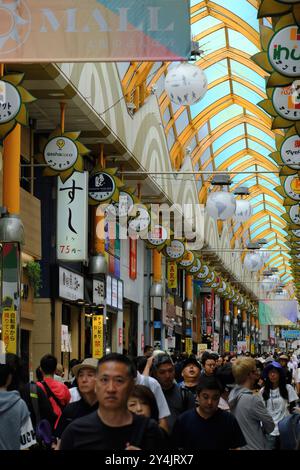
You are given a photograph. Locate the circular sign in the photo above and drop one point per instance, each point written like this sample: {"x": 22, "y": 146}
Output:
{"x": 175, "y": 250}
{"x": 101, "y": 186}
{"x": 223, "y": 288}
{"x": 283, "y": 51}
{"x": 10, "y": 102}
{"x": 204, "y": 273}
{"x": 295, "y": 214}
{"x": 286, "y": 101}
{"x": 215, "y": 284}
{"x": 292, "y": 187}
{"x": 290, "y": 152}
{"x": 296, "y": 233}
{"x": 188, "y": 260}
{"x": 60, "y": 153}
{"x": 125, "y": 203}
{"x": 210, "y": 279}
{"x": 194, "y": 269}
{"x": 158, "y": 236}
{"x": 141, "y": 222}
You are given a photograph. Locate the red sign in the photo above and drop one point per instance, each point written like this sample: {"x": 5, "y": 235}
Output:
{"x": 209, "y": 306}
{"x": 142, "y": 342}
{"x": 132, "y": 259}
{"x": 120, "y": 336}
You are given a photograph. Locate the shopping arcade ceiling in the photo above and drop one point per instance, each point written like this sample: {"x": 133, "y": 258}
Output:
{"x": 226, "y": 130}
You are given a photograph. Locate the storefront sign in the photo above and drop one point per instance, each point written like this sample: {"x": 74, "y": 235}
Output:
{"x": 157, "y": 237}
{"x": 9, "y": 333}
{"x": 201, "y": 348}
{"x": 10, "y": 102}
{"x": 282, "y": 345}
{"x": 101, "y": 186}
{"x": 252, "y": 349}
{"x": 178, "y": 311}
{"x": 64, "y": 338}
{"x": 248, "y": 342}
{"x": 98, "y": 292}
{"x": 196, "y": 268}
{"x": 72, "y": 218}
{"x": 61, "y": 153}
{"x": 98, "y": 337}
{"x": 95, "y": 31}
{"x": 71, "y": 285}
{"x": 286, "y": 103}
{"x": 283, "y": 51}
{"x": 114, "y": 292}
{"x": 209, "y": 306}
{"x": 132, "y": 259}
{"x": 203, "y": 273}
{"x": 171, "y": 342}
{"x": 172, "y": 275}
{"x": 187, "y": 260}
{"x": 227, "y": 344}
{"x": 142, "y": 342}
{"x": 188, "y": 346}
{"x": 292, "y": 187}
{"x": 290, "y": 334}
{"x": 216, "y": 339}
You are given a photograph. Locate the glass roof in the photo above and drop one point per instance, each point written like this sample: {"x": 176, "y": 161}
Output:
{"x": 225, "y": 130}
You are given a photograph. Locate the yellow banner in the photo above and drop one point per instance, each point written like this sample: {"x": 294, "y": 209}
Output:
{"x": 188, "y": 345}
{"x": 9, "y": 330}
{"x": 172, "y": 275}
{"x": 98, "y": 336}
{"x": 252, "y": 348}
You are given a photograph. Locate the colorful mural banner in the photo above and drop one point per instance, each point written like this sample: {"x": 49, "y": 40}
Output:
{"x": 94, "y": 30}
{"x": 278, "y": 312}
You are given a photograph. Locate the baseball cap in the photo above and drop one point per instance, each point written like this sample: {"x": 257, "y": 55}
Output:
{"x": 161, "y": 359}
{"x": 270, "y": 366}
{"x": 190, "y": 360}
{"x": 89, "y": 363}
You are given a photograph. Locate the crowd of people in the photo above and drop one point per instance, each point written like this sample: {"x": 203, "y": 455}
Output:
{"x": 155, "y": 402}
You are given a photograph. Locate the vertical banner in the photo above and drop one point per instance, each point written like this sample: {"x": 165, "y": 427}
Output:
{"x": 98, "y": 336}
{"x": 172, "y": 275}
{"x": 9, "y": 326}
{"x": 132, "y": 259}
{"x": 227, "y": 344}
{"x": 248, "y": 342}
{"x": 188, "y": 345}
{"x": 72, "y": 218}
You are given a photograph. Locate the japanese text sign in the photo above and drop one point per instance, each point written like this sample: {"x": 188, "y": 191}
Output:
{"x": 97, "y": 336}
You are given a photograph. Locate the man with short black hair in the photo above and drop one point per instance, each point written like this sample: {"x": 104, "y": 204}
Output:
{"x": 178, "y": 399}
{"x": 113, "y": 426}
{"x": 190, "y": 372}
{"x": 207, "y": 427}
{"x": 209, "y": 365}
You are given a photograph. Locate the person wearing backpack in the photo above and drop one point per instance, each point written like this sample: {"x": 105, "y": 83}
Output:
{"x": 178, "y": 399}
{"x": 57, "y": 392}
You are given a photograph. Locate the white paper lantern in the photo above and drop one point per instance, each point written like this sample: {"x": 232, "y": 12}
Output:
{"x": 220, "y": 205}
{"x": 253, "y": 262}
{"x": 186, "y": 84}
{"x": 243, "y": 210}
{"x": 265, "y": 255}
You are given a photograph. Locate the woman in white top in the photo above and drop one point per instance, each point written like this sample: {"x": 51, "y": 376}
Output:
{"x": 280, "y": 398}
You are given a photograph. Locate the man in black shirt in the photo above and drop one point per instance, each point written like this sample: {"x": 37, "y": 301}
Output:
{"x": 112, "y": 426}
{"x": 207, "y": 427}
{"x": 191, "y": 370}
{"x": 85, "y": 374}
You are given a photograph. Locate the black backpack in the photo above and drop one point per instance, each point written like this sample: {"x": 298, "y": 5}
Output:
{"x": 43, "y": 428}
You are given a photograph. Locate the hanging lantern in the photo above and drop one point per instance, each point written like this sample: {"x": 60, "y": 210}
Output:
{"x": 186, "y": 84}
{"x": 253, "y": 262}
{"x": 243, "y": 210}
{"x": 220, "y": 205}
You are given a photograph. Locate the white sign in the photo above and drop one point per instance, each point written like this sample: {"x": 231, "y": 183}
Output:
{"x": 120, "y": 295}
{"x": 158, "y": 236}
{"x": 282, "y": 344}
{"x": 187, "y": 260}
{"x": 114, "y": 292}
{"x": 10, "y": 102}
{"x": 294, "y": 214}
{"x": 196, "y": 268}
{"x": 141, "y": 221}
{"x": 71, "y": 285}
{"x": 60, "y": 153}
{"x": 175, "y": 250}
{"x": 290, "y": 152}
{"x": 171, "y": 342}
{"x": 287, "y": 103}
{"x": 292, "y": 187}
{"x": 204, "y": 273}
{"x": 64, "y": 338}
{"x": 98, "y": 292}
{"x": 72, "y": 218}
{"x": 241, "y": 347}
{"x": 283, "y": 51}
{"x": 216, "y": 342}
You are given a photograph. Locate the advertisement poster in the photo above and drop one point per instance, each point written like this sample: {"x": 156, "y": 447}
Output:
{"x": 241, "y": 347}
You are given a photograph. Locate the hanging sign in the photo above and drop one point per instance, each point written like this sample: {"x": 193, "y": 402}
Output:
{"x": 9, "y": 330}
{"x": 187, "y": 260}
{"x": 295, "y": 214}
{"x": 141, "y": 221}
{"x": 157, "y": 237}
{"x": 175, "y": 250}
{"x": 132, "y": 259}
{"x": 63, "y": 154}
{"x": 172, "y": 275}
{"x": 95, "y": 31}
{"x": 210, "y": 279}
{"x": 283, "y": 51}
{"x": 98, "y": 336}
{"x": 101, "y": 187}
{"x": 188, "y": 346}
{"x": 13, "y": 101}
{"x": 71, "y": 285}
{"x": 290, "y": 152}
{"x": 196, "y": 268}
{"x": 72, "y": 218}
{"x": 203, "y": 273}
{"x": 292, "y": 187}
{"x": 98, "y": 292}
{"x": 286, "y": 103}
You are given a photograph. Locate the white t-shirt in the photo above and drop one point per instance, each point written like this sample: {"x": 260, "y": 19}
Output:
{"x": 297, "y": 376}
{"x": 153, "y": 384}
{"x": 75, "y": 395}
{"x": 278, "y": 406}
{"x": 27, "y": 435}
